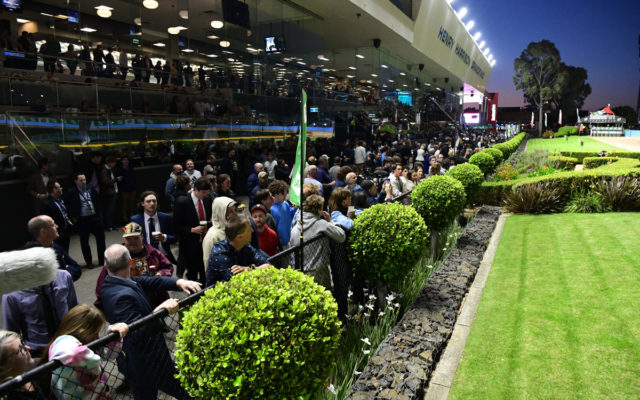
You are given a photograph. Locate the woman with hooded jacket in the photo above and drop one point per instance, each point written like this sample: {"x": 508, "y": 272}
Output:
{"x": 222, "y": 208}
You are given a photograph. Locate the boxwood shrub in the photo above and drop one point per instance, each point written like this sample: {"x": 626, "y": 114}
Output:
{"x": 471, "y": 178}
{"x": 580, "y": 155}
{"x": 510, "y": 146}
{"x": 265, "y": 334}
{"x": 595, "y": 162}
{"x": 386, "y": 242}
{"x": 439, "y": 200}
{"x": 484, "y": 161}
{"x": 568, "y": 163}
{"x": 497, "y": 155}
{"x": 566, "y": 131}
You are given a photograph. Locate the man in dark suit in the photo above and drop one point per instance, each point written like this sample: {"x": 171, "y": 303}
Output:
{"x": 151, "y": 220}
{"x": 55, "y": 207}
{"x": 191, "y": 215}
{"x": 145, "y": 360}
{"x": 37, "y": 186}
{"x": 84, "y": 207}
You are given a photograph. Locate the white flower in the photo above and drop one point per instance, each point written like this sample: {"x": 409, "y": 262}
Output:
{"x": 349, "y": 293}
{"x": 332, "y": 389}
{"x": 396, "y": 305}
{"x": 366, "y": 314}
{"x": 366, "y": 351}
{"x": 390, "y": 298}
{"x": 366, "y": 341}
{"x": 360, "y": 307}
{"x": 444, "y": 249}
{"x": 356, "y": 373}
{"x": 429, "y": 266}
{"x": 372, "y": 297}
{"x": 381, "y": 313}
{"x": 369, "y": 306}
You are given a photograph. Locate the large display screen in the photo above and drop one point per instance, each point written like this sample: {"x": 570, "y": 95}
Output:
{"x": 472, "y": 118}
{"x": 273, "y": 44}
{"x": 12, "y": 5}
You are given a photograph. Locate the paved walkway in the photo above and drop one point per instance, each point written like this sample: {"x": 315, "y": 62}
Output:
{"x": 627, "y": 143}
{"x": 442, "y": 377}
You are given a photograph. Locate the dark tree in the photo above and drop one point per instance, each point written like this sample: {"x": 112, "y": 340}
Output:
{"x": 573, "y": 89}
{"x": 628, "y": 113}
{"x": 537, "y": 72}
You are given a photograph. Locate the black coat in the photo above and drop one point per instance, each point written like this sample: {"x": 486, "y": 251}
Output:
{"x": 72, "y": 198}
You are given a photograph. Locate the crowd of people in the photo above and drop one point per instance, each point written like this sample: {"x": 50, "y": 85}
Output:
{"x": 222, "y": 224}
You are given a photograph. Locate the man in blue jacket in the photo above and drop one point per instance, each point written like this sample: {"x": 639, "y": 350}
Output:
{"x": 145, "y": 360}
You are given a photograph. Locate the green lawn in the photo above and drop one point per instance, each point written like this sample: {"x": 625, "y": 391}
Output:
{"x": 560, "y": 313}
{"x": 570, "y": 144}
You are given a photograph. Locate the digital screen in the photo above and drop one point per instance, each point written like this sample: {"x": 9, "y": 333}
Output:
{"x": 472, "y": 118}
{"x": 313, "y": 109}
{"x": 405, "y": 98}
{"x": 134, "y": 30}
{"x": 182, "y": 41}
{"x": 73, "y": 16}
{"x": 273, "y": 44}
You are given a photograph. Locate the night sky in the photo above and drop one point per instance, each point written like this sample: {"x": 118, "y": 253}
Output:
{"x": 600, "y": 36}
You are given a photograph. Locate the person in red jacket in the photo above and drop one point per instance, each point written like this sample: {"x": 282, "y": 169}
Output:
{"x": 267, "y": 238}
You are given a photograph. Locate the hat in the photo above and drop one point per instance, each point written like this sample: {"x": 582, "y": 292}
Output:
{"x": 366, "y": 184}
{"x": 262, "y": 174}
{"x": 131, "y": 229}
{"x": 258, "y": 207}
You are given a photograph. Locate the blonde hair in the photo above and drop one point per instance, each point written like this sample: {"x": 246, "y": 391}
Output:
{"x": 5, "y": 354}
{"x": 83, "y": 322}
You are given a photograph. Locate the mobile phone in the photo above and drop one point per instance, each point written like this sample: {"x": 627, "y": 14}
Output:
{"x": 387, "y": 181}
{"x": 351, "y": 209}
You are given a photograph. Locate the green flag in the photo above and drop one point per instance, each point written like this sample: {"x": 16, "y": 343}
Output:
{"x": 298, "y": 167}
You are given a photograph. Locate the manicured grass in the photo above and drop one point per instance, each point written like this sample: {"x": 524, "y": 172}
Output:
{"x": 560, "y": 316}
{"x": 570, "y": 144}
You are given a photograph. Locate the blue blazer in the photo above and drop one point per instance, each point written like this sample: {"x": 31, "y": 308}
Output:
{"x": 145, "y": 354}
{"x": 166, "y": 225}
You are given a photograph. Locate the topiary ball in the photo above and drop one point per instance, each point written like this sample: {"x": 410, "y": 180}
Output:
{"x": 439, "y": 200}
{"x": 265, "y": 334}
{"x": 471, "y": 178}
{"x": 497, "y": 154}
{"x": 484, "y": 161}
{"x": 386, "y": 242}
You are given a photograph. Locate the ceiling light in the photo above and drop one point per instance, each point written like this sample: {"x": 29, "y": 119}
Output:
{"x": 60, "y": 16}
{"x": 353, "y": 68}
{"x": 405, "y": 85}
{"x": 384, "y": 66}
{"x": 463, "y": 11}
{"x": 490, "y": 57}
{"x": 212, "y": 37}
{"x": 137, "y": 21}
{"x": 46, "y": 14}
{"x": 481, "y": 44}
{"x": 427, "y": 84}
{"x": 391, "y": 80}
{"x": 22, "y": 20}
{"x": 374, "y": 75}
{"x": 184, "y": 14}
{"x": 150, "y": 4}
{"x": 87, "y": 29}
{"x": 225, "y": 43}
{"x": 493, "y": 62}
{"x": 486, "y": 51}
{"x": 350, "y": 76}
{"x": 173, "y": 30}
{"x": 188, "y": 50}
{"x": 212, "y": 55}
{"x": 217, "y": 24}
{"x": 477, "y": 36}
{"x": 159, "y": 44}
{"x": 301, "y": 62}
{"x": 359, "y": 56}
{"x": 103, "y": 11}
{"x": 470, "y": 25}
{"x": 402, "y": 73}
{"x": 182, "y": 28}
{"x": 227, "y": 51}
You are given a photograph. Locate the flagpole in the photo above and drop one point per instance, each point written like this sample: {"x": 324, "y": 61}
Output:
{"x": 303, "y": 122}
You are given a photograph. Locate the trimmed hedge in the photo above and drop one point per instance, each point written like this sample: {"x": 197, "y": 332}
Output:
{"x": 471, "y": 178}
{"x": 484, "y": 161}
{"x": 386, "y": 241}
{"x": 566, "y": 131}
{"x": 510, "y": 146}
{"x": 439, "y": 200}
{"x": 563, "y": 162}
{"x": 497, "y": 154}
{"x": 265, "y": 334}
{"x": 595, "y": 162}
{"x": 580, "y": 155}
{"x": 493, "y": 192}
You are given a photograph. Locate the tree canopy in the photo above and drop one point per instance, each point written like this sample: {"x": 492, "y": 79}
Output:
{"x": 546, "y": 82}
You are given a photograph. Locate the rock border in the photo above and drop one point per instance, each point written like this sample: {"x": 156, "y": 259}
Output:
{"x": 402, "y": 365}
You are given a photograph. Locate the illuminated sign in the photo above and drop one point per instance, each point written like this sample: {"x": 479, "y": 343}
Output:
{"x": 472, "y": 118}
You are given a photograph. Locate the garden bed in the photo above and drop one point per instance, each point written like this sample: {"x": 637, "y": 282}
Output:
{"x": 402, "y": 364}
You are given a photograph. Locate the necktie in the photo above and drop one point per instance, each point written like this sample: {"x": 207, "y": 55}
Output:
{"x": 151, "y": 229}
{"x": 201, "y": 214}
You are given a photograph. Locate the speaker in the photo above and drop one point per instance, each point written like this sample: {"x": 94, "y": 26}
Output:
{"x": 236, "y": 12}
{"x": 420, "y": 67}
{"x": 376, "y": 43}
{"x": 446, "y": 80}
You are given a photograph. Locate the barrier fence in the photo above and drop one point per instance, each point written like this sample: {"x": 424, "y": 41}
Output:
{"x": 146, "y": 354}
